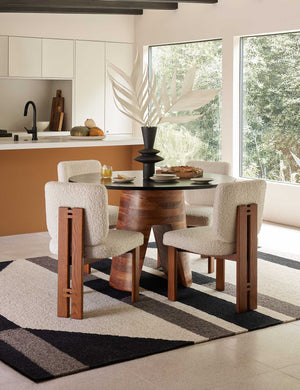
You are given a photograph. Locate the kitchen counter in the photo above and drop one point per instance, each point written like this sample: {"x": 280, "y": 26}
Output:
{"x": 27, "y": 165}
{"x": 49, "y": 140}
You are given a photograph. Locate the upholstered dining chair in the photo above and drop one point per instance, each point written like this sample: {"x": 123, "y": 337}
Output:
{"x": 77, "y": 221}
{"x": 237, "y": 218}
{"x": 66, "y": 169}
{"x": 199, "y": 203}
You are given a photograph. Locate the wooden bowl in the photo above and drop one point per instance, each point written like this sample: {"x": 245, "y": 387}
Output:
{"x": 183, "y": 172}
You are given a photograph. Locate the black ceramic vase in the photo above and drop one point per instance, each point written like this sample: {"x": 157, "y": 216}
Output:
{"x": 148, "y": 155}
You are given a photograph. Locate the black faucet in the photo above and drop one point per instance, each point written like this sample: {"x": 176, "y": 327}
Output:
{"x": 33, "y": 131}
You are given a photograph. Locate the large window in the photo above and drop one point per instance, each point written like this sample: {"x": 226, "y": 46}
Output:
{"x": 270, "y": 107}
{"x": 199, "y": 139}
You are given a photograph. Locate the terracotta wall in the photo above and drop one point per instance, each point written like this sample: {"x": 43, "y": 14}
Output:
{"x": 23, "y": 174}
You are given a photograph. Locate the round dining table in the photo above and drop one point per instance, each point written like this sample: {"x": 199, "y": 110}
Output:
{"x": 146, "y": 204}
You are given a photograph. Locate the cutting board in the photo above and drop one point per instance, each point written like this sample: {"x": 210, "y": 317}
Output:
{"x": 57, "y": 112}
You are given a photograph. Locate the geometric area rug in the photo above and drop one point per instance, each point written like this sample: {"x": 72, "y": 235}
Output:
{"x": 41, "y": 346}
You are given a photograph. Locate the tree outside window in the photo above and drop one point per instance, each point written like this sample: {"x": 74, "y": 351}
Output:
{"x": 270, "y": 107}
{"x": 199, "y": 139}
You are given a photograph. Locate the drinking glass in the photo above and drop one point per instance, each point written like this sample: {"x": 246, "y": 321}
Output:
{"x": 106, "y": 171}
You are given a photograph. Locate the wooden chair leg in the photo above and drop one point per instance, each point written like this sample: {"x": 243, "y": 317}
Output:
{"x": 77, "y": 264}
{"x": 158, "y": 260}
{"x": 211, "y": 265}
{"x": 220, "y": 274}
{"x": 87, "y": 268}
{"x": 172, "y": 273}
{"x": 135, "y": 253}
{"x": 246, "y": 275}
{"x": 252, "y": 259}
{"x": 63, "y": 286}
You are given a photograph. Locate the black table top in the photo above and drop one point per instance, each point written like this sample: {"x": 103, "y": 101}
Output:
{"x": 140, "y": 184}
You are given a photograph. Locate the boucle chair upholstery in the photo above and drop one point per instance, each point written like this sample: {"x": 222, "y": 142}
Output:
{"x": 205, "y": 197}
{"x": 237, "y": 218}
{"x": 66, "y": 169}
{"x": 77, "y": 221}
{"x": 197, "y": 215}
{"x": 199, "y": 203}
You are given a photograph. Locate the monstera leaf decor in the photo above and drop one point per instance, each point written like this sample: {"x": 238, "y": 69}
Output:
{"x": 297, "y": 159}
{"x": 136, "y": 96}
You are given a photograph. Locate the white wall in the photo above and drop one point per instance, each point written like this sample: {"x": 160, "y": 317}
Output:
{"x": 228, "y": 20}
{"x": 110, "y": 28}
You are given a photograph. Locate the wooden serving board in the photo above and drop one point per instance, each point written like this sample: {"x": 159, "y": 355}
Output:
{"x": 57, "y": 112}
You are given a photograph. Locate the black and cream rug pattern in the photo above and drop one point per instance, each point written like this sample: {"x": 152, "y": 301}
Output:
{"x": 41, "y": 346}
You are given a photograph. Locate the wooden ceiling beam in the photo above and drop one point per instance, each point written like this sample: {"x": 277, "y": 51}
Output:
{"x": 92, "y": 3}
{"x": 170, "y": 1}
{"x": 62, "y": 10}
{"x": 129, "y": 7}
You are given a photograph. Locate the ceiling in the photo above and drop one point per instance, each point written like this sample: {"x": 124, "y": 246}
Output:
{"x": 127, "y": 7}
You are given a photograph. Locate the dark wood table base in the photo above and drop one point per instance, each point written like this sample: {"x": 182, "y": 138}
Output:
{"x": 139, "y": 211}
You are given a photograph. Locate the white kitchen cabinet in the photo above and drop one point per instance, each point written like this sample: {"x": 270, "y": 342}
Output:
{"x": 25, "y": 57}
{"x": 57, "y": 58}
{"x": 121, "y": 55}
{"x": 90, "y": 82}
{"x": 3, "y": 56}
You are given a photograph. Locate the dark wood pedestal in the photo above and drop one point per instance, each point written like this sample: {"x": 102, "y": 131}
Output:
{"x": 139, "y": 211}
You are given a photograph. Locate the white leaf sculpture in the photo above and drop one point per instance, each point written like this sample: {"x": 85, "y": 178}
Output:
{"x": 188, "y": 81}
{"x": 180, "y": 119}
{"x": 136, "y": 96}
{"x": 194, "y": 99}
{"x": 173, "y": 88}
{"x": 164, "y": 94}
{"x": 296, "y": 158}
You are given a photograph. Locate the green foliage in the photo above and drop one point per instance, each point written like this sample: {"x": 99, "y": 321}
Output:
{"x": 271, "y": 103}
{"x": 205, "y": 131}
{"x": 177, "y": 146}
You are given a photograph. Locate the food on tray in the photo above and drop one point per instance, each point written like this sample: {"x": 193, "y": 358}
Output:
{"x": 96, "y": 131}
{"x": 164, "y": 171}
{"x": 80, "y": 131}
{"x": 90, "y": 123}
{"x": 84, "y": 131}
{"x": 183, "y": 171}
{"x": 122, "y": 179}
